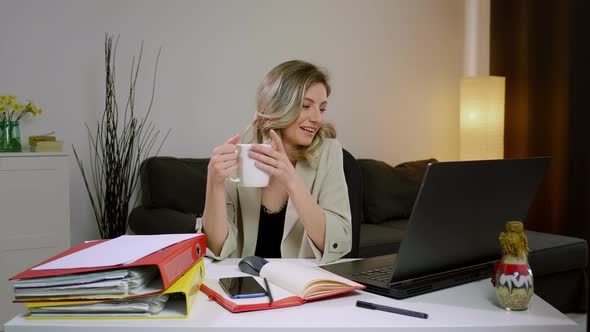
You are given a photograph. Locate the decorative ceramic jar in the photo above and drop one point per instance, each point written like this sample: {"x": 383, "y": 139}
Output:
{"x": 513, "y": 278}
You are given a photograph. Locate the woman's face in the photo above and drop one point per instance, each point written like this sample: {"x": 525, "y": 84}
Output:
{"x": 302, "y": 131}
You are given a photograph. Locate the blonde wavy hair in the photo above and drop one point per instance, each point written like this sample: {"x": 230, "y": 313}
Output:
{"x": 279, "y": 101}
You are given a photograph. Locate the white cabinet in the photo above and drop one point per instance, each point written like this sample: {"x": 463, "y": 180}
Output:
{"x": 34, "y": 216}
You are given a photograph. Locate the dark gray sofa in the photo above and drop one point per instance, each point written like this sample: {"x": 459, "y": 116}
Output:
{"x": 382, "y": 197}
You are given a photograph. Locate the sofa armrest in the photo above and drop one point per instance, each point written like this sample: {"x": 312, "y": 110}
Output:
{"x": 144, "y": 221}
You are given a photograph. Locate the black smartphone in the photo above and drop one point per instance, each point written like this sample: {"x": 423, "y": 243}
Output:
{"x": 242, "y": 287}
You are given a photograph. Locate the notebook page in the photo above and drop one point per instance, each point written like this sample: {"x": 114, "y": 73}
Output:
{"x": 298, "y": 278}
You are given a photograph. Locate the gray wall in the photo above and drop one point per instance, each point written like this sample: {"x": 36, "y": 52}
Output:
{"x": 395, "y": 67}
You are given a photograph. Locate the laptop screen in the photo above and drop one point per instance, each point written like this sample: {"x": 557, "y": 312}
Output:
{"x": 461, "y": 209}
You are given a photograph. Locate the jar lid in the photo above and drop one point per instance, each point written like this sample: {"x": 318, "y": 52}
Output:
{"x": 514, "y": 226}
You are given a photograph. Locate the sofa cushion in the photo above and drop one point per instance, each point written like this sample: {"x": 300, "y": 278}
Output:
{"x": 391, "y": 191}
{"x": 553, "y": 253}
{"x": 146, "y": 221}
{"x": 174, "y": 183}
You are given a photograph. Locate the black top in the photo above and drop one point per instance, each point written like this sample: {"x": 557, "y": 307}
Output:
{"x": 270, "y": 233}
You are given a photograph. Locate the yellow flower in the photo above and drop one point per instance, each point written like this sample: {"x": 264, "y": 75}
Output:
{"x": 12, "y": 110}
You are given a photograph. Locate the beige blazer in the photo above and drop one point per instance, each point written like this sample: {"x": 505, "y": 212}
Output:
{"x": 324, "y": 179}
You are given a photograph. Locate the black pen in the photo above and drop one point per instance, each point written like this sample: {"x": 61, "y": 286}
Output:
{"x": 373, "y": 306}
{"x": 268, "y": 293}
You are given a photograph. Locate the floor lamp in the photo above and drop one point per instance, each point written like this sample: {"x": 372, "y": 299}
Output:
{"x": 482, "y": 118}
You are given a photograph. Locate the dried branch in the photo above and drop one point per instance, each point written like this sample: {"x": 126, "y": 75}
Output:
{"x": 117, "y": 148}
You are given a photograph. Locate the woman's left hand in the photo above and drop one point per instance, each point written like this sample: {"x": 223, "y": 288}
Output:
{"x": 274, "y": 161}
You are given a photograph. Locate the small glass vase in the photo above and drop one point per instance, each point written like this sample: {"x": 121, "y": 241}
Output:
{"x": 514, "y": 283}
{"x": 10, "y": 136}
{"x": 513, "y": 278}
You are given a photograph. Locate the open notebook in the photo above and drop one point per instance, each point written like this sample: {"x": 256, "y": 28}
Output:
{"x": 290, "y": 284}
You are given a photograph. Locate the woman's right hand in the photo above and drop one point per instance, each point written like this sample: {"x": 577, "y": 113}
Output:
{"x": 224, "y": 161}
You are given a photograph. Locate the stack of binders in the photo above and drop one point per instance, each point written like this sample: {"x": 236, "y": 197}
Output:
{"x": 132, "y": 276}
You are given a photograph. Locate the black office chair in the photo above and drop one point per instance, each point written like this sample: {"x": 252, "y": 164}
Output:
{"x": 352, "y": 174}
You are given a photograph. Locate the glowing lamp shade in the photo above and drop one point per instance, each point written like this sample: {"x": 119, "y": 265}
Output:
{"x": 482, "y": 118}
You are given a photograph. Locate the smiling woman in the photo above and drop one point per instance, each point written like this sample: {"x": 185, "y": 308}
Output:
{"x": 284, "y": 101}
{"x": 300, "y": 133}
{"x": 304, "y": 211}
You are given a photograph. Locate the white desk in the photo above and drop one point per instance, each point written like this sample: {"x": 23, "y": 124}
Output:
{"x": 470, "y": 307}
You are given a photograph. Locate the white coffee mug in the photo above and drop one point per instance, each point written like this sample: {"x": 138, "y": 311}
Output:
{"x": 248, "y": 174}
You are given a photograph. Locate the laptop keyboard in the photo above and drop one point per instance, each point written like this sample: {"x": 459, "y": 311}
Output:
{"x": 382, "y": 274}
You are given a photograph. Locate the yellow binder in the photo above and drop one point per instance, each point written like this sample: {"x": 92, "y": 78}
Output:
{"x": 182, "y": 294}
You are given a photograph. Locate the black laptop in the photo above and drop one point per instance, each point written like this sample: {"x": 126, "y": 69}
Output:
{"x": 452, "y": 234}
